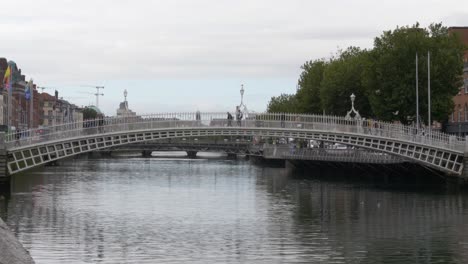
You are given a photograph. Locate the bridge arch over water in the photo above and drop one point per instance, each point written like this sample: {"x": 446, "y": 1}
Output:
{"x": 436, "y": 150}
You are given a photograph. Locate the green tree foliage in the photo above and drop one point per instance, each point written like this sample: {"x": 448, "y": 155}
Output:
{"x": 89, "y": 113}
{"x": 341, "y": 78}
{"x": 285, "y": 103}
{"x": 308, "y": 93}
{"x": 390, "y": 76}
{"x": 383, "y": 78}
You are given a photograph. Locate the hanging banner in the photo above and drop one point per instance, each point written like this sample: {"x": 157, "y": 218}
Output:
{"x": 28, "y": 90}
{"x": 7, "y": 78}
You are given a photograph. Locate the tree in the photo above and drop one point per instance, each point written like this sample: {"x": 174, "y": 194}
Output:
{"x": 383, "y": 78}
{"x": 89, "y": 113}
{"x": 389, "y": 78}
{"x": 285, "y": 103}
{"x": 341, "y": 78}
{"x": 308, "y": 94}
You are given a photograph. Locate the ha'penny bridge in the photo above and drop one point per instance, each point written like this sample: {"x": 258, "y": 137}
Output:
{"x": 368, "y": 141}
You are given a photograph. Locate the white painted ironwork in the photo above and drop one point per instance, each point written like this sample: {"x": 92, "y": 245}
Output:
{"x": 334, "y": 155}
{"x": 35, "y": 147}
{"x": 352, "y": 111}
{"x": 242, "y": 107}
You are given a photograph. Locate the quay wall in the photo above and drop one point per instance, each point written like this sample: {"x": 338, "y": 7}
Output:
{"x": 11, "y": 250}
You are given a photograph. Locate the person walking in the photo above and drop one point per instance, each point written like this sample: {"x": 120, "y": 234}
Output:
{"x": 229, "y": 118}
{"x": 238, "y": 115}
{"x": 283, "y": 118}
{"x": 17, "y": 137}
{"x": 198, "y": 117}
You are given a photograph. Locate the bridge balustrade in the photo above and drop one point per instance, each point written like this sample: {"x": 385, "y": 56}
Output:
{"x": 336, "y": 155}
{"x": 279, "y": 121}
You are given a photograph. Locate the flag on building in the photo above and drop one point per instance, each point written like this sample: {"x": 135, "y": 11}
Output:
{"x": 27, "y": 90}
{"x": 7, "y": 78}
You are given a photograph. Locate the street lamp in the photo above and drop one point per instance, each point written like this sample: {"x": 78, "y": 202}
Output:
{"x": 242, "y": 105}
{"x": 125, "y": 95}
{"x": 242, "y": 94}
{"x": 356, "y": 113}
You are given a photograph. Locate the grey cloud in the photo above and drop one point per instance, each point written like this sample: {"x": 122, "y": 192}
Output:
{"x": 165, "y": 39}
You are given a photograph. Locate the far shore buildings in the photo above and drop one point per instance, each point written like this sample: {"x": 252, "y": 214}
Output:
{"x": 47, "y": 109}
{"x": 458, "y": 120}
{"x": 57, "y": 111}
{"x": 20, "y": 106}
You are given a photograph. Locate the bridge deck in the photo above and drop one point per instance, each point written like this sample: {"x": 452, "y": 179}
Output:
{"x": 437, "y": 150}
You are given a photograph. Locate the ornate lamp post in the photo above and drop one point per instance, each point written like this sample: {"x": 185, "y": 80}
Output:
{"x": 242, "y": 94}
{"x": 125, "y": 95}
{"x": 242, "y": 107}
{"x": 356, "y": 113}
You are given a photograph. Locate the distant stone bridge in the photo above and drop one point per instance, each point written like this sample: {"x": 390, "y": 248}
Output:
{"x": 234, "y": 147}
{"x": 435, "y": 150}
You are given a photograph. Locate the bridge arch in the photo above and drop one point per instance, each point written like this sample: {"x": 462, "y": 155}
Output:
{"x": 438, "y": 157}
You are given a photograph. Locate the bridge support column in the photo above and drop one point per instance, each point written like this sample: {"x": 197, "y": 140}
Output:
{"x": 192, "y": 154}
{"x": 146, "y": 153}
{"x": 4, "y": 177}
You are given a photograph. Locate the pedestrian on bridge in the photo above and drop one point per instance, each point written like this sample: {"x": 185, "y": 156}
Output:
{"x": 283, "y": 118}
{"x": 198, "y": 117}
{"x": 229, "y": 118}
{"x": 238, "y": 115}
{"x": 17, "y": 137}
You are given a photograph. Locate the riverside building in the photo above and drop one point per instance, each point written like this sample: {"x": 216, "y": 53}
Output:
{"x": 458, "y": 120}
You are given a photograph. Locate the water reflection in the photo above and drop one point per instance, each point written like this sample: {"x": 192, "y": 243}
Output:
{"x": 219, "y": 211}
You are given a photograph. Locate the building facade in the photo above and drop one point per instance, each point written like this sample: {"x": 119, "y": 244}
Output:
{"x": 40, "y": 109}
{"x": 458, "y": 120}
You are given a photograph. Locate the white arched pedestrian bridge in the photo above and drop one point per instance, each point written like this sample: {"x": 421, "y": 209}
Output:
{"x": 435, "y": 150}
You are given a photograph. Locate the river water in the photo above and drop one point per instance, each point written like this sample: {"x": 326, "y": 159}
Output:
{"x": 168, "y": 210}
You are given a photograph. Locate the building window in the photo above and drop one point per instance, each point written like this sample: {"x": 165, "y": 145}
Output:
{"x": 459, "y": 115}
{"x": 465, "y": 84}
{"x": 452, "y": 117}
{"x": 466, "y": 113}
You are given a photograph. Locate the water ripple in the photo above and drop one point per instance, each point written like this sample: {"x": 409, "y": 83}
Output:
{"x": 216, "y": 211}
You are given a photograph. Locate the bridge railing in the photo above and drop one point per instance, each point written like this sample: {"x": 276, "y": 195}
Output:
{"x": 259, "y": 120}
{"x": 342, "y": 155}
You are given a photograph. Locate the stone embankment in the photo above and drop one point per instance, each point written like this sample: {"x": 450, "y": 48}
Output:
{"x": 11, "y": 250}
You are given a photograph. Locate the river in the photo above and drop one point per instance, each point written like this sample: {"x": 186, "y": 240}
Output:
{"x": 211, "y": 210}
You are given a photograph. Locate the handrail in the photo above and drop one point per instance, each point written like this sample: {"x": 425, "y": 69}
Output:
{"x": 219, "y": 120}
{"x": 320, "y": 154}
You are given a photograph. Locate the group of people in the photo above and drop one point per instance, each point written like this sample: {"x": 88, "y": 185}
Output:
{"x": 239, "y": 116}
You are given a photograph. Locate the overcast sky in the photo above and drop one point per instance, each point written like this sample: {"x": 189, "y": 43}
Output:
{"x": 181, "y": 55}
